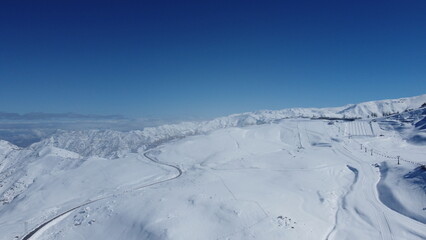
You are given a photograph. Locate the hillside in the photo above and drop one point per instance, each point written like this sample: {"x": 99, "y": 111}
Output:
{"x": 262, "y": 175}
{"x": 112, "y": 144}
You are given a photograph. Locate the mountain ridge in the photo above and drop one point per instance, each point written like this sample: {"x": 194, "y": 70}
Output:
{"x": 113, "y": 144}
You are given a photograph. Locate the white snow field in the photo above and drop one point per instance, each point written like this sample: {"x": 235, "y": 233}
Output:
{"x": 256, "y": 177}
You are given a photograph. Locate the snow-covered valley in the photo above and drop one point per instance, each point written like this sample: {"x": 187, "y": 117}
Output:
{"x": 288, "y": 174}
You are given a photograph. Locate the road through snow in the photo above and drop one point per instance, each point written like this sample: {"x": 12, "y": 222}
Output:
{"x": 248, "y": 183}
{"x": 45, "y": 225}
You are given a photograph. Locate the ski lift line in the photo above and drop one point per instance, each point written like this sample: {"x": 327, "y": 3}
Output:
{"x": 385, "y": 155}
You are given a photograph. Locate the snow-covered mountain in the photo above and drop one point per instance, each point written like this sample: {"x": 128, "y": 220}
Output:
{"x": 411, "y": 125}
{"x": 6, "y": 148}
{"x": 260, "y": 175}
{"x": 112, "y": 144}
{"x": 383, "y": 107}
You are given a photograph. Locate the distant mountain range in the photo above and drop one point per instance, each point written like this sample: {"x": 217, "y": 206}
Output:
{"x": 112, "y": 143}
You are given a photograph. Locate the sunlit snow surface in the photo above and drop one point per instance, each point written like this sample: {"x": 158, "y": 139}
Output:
{"x": 111, "y": 144}
{"x": 292, "y": 179}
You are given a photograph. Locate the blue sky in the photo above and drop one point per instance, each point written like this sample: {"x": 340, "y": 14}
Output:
{"x": 207, "y": 58}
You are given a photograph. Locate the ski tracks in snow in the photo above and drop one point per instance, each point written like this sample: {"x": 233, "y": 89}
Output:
{"x": 358, "y": 128}
{"x": 363, "y": 185}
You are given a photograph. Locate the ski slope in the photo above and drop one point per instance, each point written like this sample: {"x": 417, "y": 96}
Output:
{"x": 293, "y": 179}
{"x": 358, "y": 128}
{"x": 115, "y": 144}
{"x": 262, "y": 175}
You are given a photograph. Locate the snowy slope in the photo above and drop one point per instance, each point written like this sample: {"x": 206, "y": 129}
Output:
{"x": 112, "y": 144}
{"x": 262, "y": 175}
{"x": 410, "y": 125}
{"x": 383, "y": 107}
{"x": 5, "y": 149}
{"x": 39, "y": 185}
{"x": 293, "y": 179}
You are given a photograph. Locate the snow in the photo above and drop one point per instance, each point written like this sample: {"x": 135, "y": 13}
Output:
{"x": 265, "y": 175}
{"x": 397, "y": 187}
{"x": 113, "y": 144}
{"x": 57, "y": 152}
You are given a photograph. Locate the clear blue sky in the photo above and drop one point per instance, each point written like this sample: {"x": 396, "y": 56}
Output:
{"x": 207, "y": 58}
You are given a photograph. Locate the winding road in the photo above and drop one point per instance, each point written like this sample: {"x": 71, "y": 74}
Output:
{"x": 370, "y": 215}
{"x": 49, "y": 222}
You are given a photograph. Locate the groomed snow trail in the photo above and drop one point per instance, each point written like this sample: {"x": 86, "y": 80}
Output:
{"x": 356, "y": 212}
{"x": 358, "y": 128}
{"x": 38, "y": 231}
{"x": 367, "y": 212}
{"x": 246, "y": 183}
